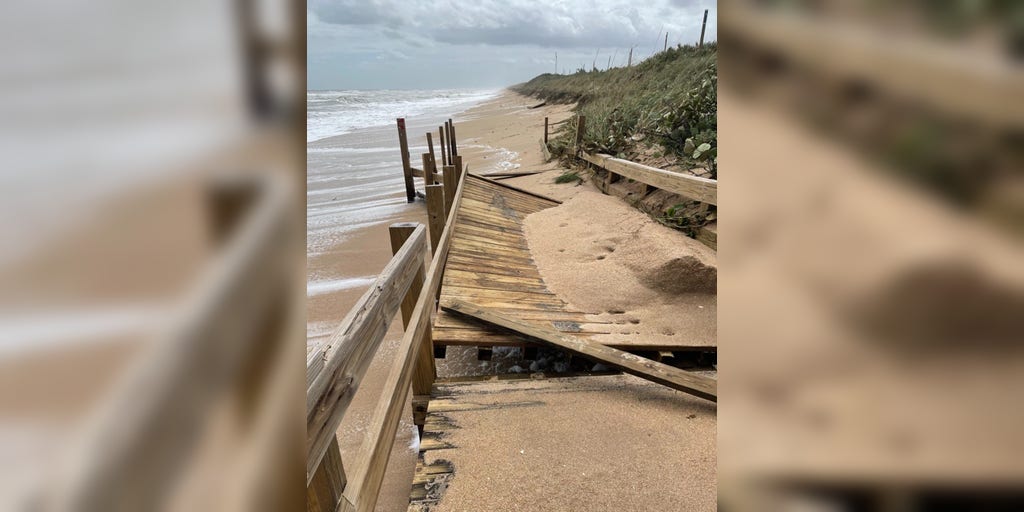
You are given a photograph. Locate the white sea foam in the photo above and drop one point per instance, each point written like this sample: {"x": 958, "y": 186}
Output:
{"x": 331, "y": 113}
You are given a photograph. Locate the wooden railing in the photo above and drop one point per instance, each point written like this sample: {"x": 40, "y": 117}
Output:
{"x": 335, "y": 370}
{"x": 233, "y": 328}
{"x": 691, "y": 187}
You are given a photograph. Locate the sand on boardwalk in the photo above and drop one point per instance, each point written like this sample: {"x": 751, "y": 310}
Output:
{"x": 603, "y": 256}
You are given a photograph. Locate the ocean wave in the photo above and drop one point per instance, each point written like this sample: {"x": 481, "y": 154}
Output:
{"x": 332, "y": 113}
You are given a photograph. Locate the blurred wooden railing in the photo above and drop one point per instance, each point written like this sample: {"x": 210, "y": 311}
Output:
{"x": 335, "y": 370}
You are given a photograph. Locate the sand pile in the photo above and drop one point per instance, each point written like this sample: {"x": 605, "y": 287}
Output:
{"x": 602, "y": 256}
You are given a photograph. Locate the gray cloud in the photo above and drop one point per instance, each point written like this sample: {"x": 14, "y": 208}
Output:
{"x": 381, "y": 43}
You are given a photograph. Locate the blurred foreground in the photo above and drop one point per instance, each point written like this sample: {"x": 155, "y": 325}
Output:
{"x": 151, "y": 321}
{"x": 872, "y": 287}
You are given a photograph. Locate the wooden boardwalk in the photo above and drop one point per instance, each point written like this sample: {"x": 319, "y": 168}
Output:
{"x": 489, "y": 263}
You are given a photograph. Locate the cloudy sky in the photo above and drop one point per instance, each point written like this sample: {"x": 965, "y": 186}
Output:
{"x": 413, "y": 44}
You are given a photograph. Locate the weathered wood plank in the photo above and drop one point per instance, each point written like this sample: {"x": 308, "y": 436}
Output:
{"x": 693, "y": 187}
{"x": 696, "y": 385}
{"x": 368, "y": 469}
{"x": 352, "y": 346}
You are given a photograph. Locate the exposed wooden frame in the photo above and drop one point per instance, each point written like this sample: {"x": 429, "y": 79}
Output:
{"x": 696, "y": 385}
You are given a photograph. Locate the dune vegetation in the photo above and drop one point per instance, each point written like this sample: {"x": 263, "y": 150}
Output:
{"x": 663, "y": 107}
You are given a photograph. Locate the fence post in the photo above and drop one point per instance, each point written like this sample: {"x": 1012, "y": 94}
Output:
{"x": 451, "y": 180}
{"x": 403, "y": 143}
{"x": 581, "y": 126}
{"x": 328, "y": 483}
{"x": 545, "y": 130}
{"x": 702, "y": 27}
{"x": 428, "y": 175}
{"x": 424, "y": 371}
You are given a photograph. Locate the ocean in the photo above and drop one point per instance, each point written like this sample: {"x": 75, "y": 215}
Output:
{"x": 354, "y": 185}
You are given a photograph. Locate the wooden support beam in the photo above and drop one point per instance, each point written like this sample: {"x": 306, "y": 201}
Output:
{"x": 324, "y": 492}
{"x": 692, "y": 187}
{"x": 696, "y": 385}
{"x": 459, "y": 170}
{"x": 423, "y": 372}
{"x": 430, "y": 149}
{"x": 450, "y": 184}
{"x": 403, "y": 144}
{"x": 443, "y": 148}
{"x": 448, "y": 140}
{"x": 545, "y": 131}
{"x": 436, "y": 216}
{"x": 428, "y": 175}
{"x": 453, "y": 141}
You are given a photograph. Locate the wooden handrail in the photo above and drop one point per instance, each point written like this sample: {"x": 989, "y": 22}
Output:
{"x": 368, "y": 470}
{"x": 144, "y": 433}
{"x": 692, "y": 187}
{"x": 351, "y": 348}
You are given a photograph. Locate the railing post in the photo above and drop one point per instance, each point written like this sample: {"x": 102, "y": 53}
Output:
{"x": 324, "y": 491}
{"x": 403, "y": 142}
{"x": 452, "y": 140}
{"x": 430, "y": 149}
{"x": 545, "y": 130}
{"x": 428, "y": 175}
{"x": 424, "y": 371}
{"x": 435, "y": 214}
{"x": 451, "y": 181}
{"x": 444, "y": 152}
{"x": 581, "y": 127}
{"x": 458, "y": 170}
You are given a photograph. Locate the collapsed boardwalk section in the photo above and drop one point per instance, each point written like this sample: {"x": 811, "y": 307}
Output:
{"x": 489, "y": 264}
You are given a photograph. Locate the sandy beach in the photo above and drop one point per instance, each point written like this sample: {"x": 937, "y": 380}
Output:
{"x": 503, "y": 135}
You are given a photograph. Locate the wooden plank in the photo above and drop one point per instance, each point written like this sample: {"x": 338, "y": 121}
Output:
{"x": 324, "y": 492}
{"x": 403, "y": 144}
{"x": 696, "y": 385}
{"x": 352, "y": 345}
{"x": 506, "y": 186}
{"x": 692, "y": 187}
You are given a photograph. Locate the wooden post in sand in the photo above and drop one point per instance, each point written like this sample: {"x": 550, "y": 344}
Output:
{"x": 453, "y": 141}
{"x": 428, "y": 173}
{"x": 448, "y": 139}
{"x": 435, "y": 214}
{"x": 430, "y": 148}
{"x": 423, "y": 371}
{"x": 451, "y": 181}
{"x": 403, "y": 143}
{"x": 458, "y": 169}
{"x": 581, "y": 127}
{"x": 440, "y": 140}
{"x": 545, "y": 131}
